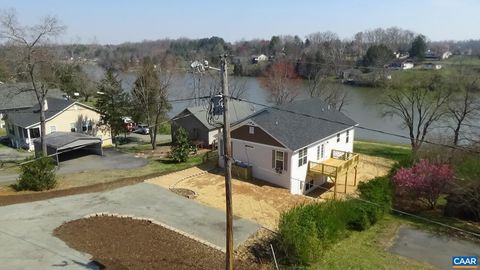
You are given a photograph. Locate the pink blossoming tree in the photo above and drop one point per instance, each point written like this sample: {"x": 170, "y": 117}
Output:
{"x": 425, "y": 181}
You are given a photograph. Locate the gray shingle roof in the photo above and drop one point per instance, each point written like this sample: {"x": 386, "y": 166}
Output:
{"x": 297, "y": 131}
{"x": 239, "y": 110}
{"x": 27, "y": 117}
{"x": 20, "y": 96}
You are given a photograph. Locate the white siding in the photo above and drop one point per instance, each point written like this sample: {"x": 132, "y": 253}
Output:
{"x": 212, "y": 135}
{"x": 299, "y": 174}
{"x": 259, "y": 156}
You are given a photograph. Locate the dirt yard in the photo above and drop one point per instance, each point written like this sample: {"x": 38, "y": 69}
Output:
{"x": 257, "y": 200}
{"x": 124, "y": 243}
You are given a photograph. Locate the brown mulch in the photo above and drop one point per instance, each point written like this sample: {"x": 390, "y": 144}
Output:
{"x": 125, "y": 243}
{"x": 23, "y": 197}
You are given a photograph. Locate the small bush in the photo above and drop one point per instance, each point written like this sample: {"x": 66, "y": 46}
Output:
{"x": 181, "y": 146}
{"x": 37, "y": 175}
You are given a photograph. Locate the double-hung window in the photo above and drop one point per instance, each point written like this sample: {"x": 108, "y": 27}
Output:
{"x": 302, "y": 157}
{"x": 347, "y": 137}
{"x": 279, "y": 161}
{"x": 338, "y": 137}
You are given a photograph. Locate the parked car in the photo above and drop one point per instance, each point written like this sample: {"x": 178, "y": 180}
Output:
{"x": 142, "y": 129}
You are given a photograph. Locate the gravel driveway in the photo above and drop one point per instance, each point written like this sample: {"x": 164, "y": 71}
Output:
{"x": 26, "y": 240}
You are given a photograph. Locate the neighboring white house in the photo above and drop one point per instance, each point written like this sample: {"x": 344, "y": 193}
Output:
{"x": 2, "y": 123}
{"x": 62, "y": 115}
{"x": 278, "y": 144}
{"x": 259, "y": 58}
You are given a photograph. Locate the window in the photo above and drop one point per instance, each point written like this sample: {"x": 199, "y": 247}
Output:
{"x": 73, "y": 128}
{"x": 87, "y": 126}
{"x": 279, "y": 161}
{"x": 251, "y": 130}
{"x": 34, "y": 133}
{"x": 25, "y": 133}
{"x": 338, "y": 137}
{"x": 347, "y": 136}
{"x": 302, "y": 157}
{"x": 53, "y": 129}
{"x": 320, "y": 151}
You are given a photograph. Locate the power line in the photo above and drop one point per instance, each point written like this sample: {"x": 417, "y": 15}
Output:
{"x": 358, "y": 126}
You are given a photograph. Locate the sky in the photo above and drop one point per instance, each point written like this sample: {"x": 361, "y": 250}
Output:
{"x": 118, "y": 21}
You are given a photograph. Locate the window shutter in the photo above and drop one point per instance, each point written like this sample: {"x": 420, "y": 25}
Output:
{"x": 285, "y": 161}
{"x": 273, "y": 159}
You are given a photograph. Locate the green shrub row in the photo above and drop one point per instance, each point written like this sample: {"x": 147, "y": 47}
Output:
{"x": 306, "y": 231}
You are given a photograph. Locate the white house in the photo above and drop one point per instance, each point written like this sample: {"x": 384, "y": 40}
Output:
{"x": 259, "y": 58}
{"x": 279, "y": 144}
{"x": 62, "y": 115}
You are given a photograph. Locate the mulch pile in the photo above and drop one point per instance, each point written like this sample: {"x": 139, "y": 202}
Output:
{"x": 125, "y": 243}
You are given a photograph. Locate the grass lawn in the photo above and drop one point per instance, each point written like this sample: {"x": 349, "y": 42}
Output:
{"x": 394, "y": 152}
{"x": 367, "y": 250}
{"x": 3, "y": 132}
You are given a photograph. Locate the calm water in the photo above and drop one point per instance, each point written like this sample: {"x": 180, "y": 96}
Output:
{"x": 362, "y": 103}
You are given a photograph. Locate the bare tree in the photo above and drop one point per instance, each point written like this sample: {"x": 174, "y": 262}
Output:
{"x": 463, "y": 106}
{"x": 332, "y": 93}
{"x": 419, "y": 104}
{"x": 35, "y": 58}
{"x": 150, "y": 92}
{"x": 282, "y": 82}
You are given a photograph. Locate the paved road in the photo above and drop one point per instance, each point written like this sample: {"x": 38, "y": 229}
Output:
{"x": 436, "y": 250}
{"x": 26, "y": 240}
{"x": 78, "y": 161}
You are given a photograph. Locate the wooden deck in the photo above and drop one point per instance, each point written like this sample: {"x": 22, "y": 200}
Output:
{"x": 337, "y": 165}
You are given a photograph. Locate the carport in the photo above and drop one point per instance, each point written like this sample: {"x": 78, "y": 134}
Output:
{"x": 62, "y": 142}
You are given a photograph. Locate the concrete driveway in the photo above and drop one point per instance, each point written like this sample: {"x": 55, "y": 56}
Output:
{"x": 80, "y": 161}
{"x": 434, "y": 249}
{"x": 26, "y": 240}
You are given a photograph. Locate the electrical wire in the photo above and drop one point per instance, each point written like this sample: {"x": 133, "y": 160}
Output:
{"x": 349, "y": 125}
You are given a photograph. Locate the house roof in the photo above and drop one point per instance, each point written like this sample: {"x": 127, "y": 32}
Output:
{"x": 20, "y": 96}
{"x": 296, "y": 131}
{"x": 239, "y": 110}
{"x": 30, "y": 116}
{"x": 65, "y": 140}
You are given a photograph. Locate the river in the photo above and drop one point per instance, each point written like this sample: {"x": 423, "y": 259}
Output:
{"x": 362, "y": 103}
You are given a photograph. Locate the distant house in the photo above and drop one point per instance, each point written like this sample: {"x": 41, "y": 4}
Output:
{"x": 259, "y": 58}
{"x": 199, "y": 129}
{"x": 446, "y": 55}
{"x": 18, "y": 96}
{"x": 401, "y": 65}
{"x": 401, "y": 55}
{"x": 288, "y": 149}
{"x": 432, "y": 66}
{"x": 62, "y": 115}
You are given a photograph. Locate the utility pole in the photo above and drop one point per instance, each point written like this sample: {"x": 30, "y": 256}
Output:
{"x": 227, "y": 154}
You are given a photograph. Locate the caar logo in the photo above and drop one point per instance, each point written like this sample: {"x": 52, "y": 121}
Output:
{"x": 465, "y": 262}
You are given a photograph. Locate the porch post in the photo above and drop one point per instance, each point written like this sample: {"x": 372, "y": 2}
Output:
{"x": 335, "y": 189}
{"x": 355, "y": 179}
{"x": 346, "y": 177}
{"x": 28, "y": 135}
